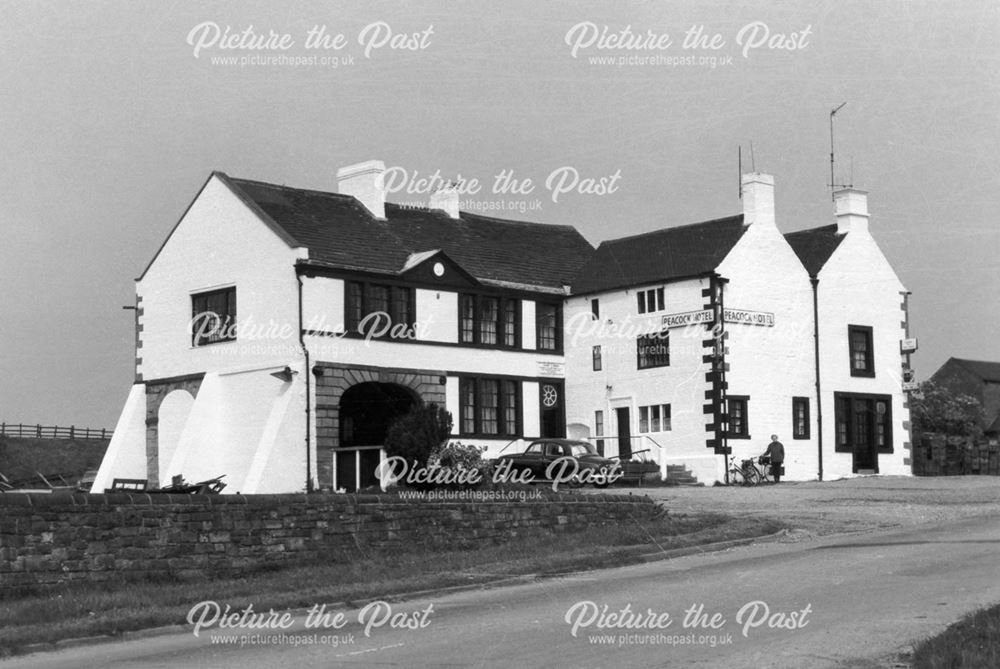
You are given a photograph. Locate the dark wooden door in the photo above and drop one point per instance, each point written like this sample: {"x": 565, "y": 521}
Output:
{"x": 551, "y": 409}
{"x": 865, "y": 456}
{"x": 624, "y": 433}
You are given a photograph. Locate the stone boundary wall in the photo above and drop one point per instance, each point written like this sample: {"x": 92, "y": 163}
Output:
{"x": 942, "y": 455}
{"x": 51, "y": 539}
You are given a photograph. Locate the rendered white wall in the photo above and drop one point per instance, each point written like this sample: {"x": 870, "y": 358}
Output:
{"x": 437, "y": 315}
{"x": 620, "y": 384}
{"x": 323, "y": 304}
{"x": 126, "y": 454}
{"x": 528, "y": 331}
{"x": 859, "y": 287}
{"x": 531, "y": 416}
{"x": 379, "y": 353}
{"x": 771, "y": 364}
{"x": 201, "y": 438}
{"x": 219, "y": 242}
{"x": 249, "y": 426}
{"x": 278, "y": 463}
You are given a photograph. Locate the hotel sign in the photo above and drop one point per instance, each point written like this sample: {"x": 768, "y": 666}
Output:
{"x": 908, "y": 345}
{"x": 687, "y": 318}
{"x": 762, "y": 318}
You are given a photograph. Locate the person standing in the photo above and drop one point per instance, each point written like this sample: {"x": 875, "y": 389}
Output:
{"x": 776, "y": 452}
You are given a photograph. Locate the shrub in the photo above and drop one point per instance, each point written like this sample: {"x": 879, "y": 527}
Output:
{"x": 457, "y": 456}
{"x": 414, "y": 435}
{"x": 936, "y": 408}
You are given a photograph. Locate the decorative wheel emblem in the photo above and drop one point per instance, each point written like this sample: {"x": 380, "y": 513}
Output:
{"x": 549, "y": 396}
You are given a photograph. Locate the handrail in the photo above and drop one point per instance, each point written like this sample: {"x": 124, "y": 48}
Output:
{"x": 590, "y": 438}
{"x": 613, "y": 437}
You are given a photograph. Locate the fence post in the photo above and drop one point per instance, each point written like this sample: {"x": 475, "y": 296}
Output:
{"x": 39, "y": 430}
{"x": 103, "y": 430}
{"x": 3, "y": 428}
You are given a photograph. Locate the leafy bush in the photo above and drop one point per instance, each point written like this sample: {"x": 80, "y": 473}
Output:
{"x": 935, "y": 408}
{"x": 414, "y": 435}
{"x": 458, "y": 457}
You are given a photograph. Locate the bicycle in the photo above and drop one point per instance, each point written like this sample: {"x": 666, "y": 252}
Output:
{"x": 749, "y": 472}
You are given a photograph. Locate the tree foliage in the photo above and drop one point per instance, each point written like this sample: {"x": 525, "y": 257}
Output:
{"x": 460, "y": 460}
{"x": 936, "y": 408}
{"x": 415, "y": 435}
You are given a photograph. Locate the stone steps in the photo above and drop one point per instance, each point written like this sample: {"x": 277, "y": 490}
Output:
{"x": 681, "y": 476}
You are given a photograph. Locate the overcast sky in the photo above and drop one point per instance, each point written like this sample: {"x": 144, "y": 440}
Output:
{"x": 110, "y": 122}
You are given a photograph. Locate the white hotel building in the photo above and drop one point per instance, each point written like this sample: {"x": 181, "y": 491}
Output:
{"x": 692, "y": 344}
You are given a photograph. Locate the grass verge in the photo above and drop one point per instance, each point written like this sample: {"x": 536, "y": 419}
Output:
{"x": 115, "y": 607}
{"x": 971, "y": 643}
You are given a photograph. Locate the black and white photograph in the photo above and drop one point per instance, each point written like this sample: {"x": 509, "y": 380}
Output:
{"x": 499, "y": 334}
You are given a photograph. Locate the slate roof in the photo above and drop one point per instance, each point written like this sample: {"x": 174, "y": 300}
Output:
{"x": 987, "y": 371}
{"x": 995, "y": 425}
{"x": 814, "y": 247}
{"x": 340, "y": 232}
{"x": 662, "y": 255}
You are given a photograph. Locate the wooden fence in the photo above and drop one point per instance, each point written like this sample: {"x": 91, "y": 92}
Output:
{"x": 52, "y": 432}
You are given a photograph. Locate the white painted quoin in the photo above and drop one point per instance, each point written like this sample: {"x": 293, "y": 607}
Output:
{"x": 494, "y": 320}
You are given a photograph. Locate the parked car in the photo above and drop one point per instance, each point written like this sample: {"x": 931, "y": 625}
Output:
{"x": 576, "y": 463}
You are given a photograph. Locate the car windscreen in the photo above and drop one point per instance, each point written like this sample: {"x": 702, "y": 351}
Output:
{"x": 579, "y": 450}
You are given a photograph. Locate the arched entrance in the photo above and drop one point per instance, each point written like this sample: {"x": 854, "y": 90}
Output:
{"x": 366, "y": 412}
{"x": 172, "y": 417}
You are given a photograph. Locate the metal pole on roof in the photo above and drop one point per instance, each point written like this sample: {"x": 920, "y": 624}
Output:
{"x": 739, "y": 175}
{"x": 833, "y": 186}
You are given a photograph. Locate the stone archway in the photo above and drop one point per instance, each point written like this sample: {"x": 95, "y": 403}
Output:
{"x": 366, "y": 412}
{"x": 368, "y": 409}
{"x": 171, "y": 417}
{"x": 156, "y": 392}
{"x": 334, "y": 381}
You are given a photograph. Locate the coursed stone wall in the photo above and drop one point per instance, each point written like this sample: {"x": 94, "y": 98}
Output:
{"x": 941, "y": 455}
{"x": 332, "y": 381}
{"x": 51, "y": 539}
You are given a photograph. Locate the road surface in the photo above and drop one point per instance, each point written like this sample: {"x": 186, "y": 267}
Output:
{"x": 839, "y": 601}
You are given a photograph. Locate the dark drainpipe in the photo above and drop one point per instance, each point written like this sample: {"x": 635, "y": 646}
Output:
{"x": 819, "y": 395}
{"x": 308, "y": 374}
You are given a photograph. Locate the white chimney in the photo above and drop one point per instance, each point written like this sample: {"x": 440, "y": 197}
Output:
{"x": 852, "y": 210}
{"x": 365, "y": 182}
{"x": 446, "y": 199}
{"x": 758, "y": 199}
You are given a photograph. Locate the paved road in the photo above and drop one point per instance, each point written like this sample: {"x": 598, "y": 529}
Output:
{"x": 866, "y": 598}
{"x": 867, "y": 503}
